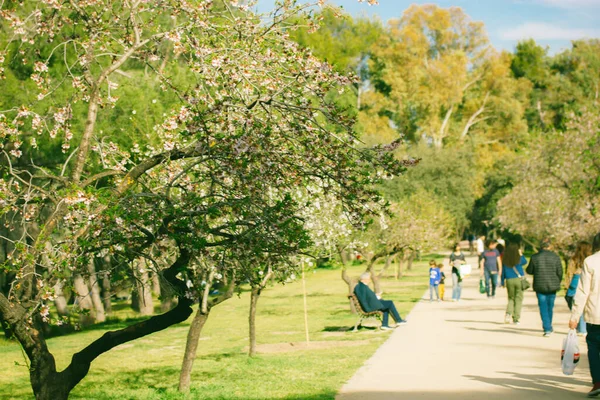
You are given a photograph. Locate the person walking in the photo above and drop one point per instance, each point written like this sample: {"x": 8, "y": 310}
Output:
{"x": 546, "y": 269}
{"x": 491, "y": 267}
{"x": 574, "y": 269}
{"x": 587, "y": 303}
{"x": 513, "y": 262}
{"x": 435, "y": 276}
{"x": 480, "y": 246}
{"x": 457, "y": 258}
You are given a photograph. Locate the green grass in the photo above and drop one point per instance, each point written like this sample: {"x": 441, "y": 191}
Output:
{"x": 149, "y": 367}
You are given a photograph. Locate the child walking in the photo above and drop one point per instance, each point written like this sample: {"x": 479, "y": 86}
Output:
{"x": 442, "y": 280}
{"x": 435, "y": 277}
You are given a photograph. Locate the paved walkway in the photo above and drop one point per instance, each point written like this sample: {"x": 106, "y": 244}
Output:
{"x": 452, "y": 351}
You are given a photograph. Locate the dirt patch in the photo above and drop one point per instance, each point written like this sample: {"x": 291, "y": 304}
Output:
{"x": 272, "y": 348}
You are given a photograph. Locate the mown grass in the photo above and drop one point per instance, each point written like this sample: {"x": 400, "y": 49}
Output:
{"x": 149, "y": 367}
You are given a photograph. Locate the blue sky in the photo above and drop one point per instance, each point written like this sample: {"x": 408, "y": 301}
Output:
{"x": 552, "y": 23}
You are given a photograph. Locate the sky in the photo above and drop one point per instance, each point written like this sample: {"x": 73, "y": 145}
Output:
{"x": 552, "y": 23}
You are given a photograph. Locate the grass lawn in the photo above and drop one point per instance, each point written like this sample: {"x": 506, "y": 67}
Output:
{"x": 148, "y": 368}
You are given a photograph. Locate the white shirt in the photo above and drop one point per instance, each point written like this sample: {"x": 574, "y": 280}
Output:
{"x": 587, "y": 298}
{"x": 480, "y": 246}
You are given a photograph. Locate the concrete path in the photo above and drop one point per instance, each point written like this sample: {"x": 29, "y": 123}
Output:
{"x": 456, "y": 351}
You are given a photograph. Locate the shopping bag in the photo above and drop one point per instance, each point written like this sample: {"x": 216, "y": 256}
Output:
{"x": 570, "y": 353}
{"x": 465, "y": 270}
{"x": 481, "y": 286}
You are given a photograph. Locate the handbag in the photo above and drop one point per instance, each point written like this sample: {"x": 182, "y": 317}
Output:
{"x": 524, "y": 282}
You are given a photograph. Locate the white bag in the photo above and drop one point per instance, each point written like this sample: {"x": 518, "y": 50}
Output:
{"x": 465, "y": 270}
{"x": 570, "y": 353}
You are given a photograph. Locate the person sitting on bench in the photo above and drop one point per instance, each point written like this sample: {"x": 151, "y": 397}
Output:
{"x": 370, "y": 302}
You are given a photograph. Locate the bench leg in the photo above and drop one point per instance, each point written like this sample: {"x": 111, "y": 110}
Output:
{"x": 357, "y": 324}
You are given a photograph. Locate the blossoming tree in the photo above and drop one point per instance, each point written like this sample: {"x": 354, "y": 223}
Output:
{"x": 248, "y": 113}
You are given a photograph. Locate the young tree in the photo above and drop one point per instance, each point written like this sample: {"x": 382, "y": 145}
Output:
{"x": 252, "y": 114}
{"x": 417, "y": 223}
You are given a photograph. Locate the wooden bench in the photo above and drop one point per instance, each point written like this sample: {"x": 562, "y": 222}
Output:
{"x": 362, "y": 314}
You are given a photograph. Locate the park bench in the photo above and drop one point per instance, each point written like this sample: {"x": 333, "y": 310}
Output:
{"x": 362, "y": 314}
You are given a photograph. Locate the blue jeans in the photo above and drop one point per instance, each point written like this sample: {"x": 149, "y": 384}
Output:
{"x": 581, "y": 328}
{"x": 593, "y": 343}
{"x": 434, "y": 289}
{"x": 491, "y": 281}
{"x": 389, "y": 307}
{"x": 546, "y": 304}
{"x": 456, "y": 287}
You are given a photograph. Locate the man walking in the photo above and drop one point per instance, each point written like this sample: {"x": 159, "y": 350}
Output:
{"x": 370, "y": 302}
{"x": 547, "y": 271}
{"x": 587, "y": 301}
{"x": 491, "y": 267}
{"x": 480, "y": 246}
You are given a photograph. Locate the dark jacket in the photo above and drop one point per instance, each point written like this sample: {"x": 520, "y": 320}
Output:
{"x": 547, "y": 272}
{"x": 366, "y": 297}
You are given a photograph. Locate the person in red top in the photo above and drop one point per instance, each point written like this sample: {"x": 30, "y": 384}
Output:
{"x": 491, "y": 267}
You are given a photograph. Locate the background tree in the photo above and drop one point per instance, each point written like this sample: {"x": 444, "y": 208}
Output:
{"x": 557, "y": 194}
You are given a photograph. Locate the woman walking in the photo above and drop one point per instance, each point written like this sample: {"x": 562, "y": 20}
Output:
{"x": 457, "y": 258}
{"x": 513, "y": 261}
{"x": 583, "y": 250}
{"x": 587, "y": 302}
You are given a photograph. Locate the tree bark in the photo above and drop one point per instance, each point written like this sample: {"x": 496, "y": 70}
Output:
{"x": 106, "y": 286}
{"x": 374, "y": 277}
{"x": 388, "y": 262}
{"x": 254, "y": 295}
{"x": 155, "y": 284}
{"x": 141, "y": 299}
{"x": 84, "y": 301}
{"x": 411, "y": 258}
{"x": 61, "y": 301}
{"x": 106, "y": 293}
{"x": 198, "y": 322}
{"x": 191, "y": 347}
{"x": 95, "y": 292}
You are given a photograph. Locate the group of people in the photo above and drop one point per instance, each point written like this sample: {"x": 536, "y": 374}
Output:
{"x": 582, "y": 284}
{"x": 437, "y": 277}
{"x": 505, "y": 262}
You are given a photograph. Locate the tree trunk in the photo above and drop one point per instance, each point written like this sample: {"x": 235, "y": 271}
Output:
{"x": 349, "y": 281}
{"x": 155, "y": 284}
{"x": 388, "y": 262}
{"x": 106, "y": 293}
{"x": 141, "y": 297}
{"x": 191, "y": 347}
{"x": 411, "y": 258}
{"x": 374, "y": 277}
{"x": 167, "y": 300}
{"x": 46, "y": 383}
{"x": 61, "y": 301}
{"x": 83, "y": 300}
{"x": 106, "y": 286}
{"x": 254, "y": 295}
{"x": 95, "y": 292}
